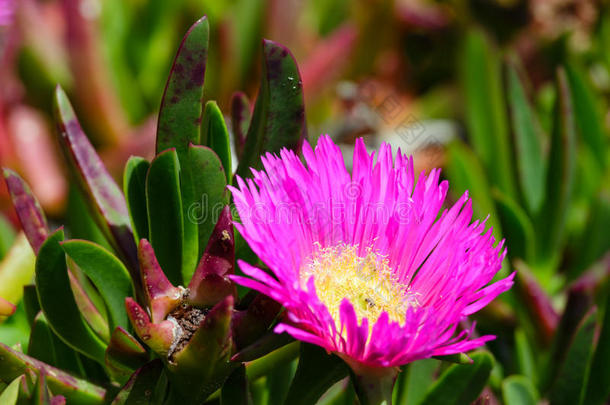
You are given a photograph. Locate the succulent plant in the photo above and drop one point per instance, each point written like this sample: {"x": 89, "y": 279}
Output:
{"x": 150, "y": 301}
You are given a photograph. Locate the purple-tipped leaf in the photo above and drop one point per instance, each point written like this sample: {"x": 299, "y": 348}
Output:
{"x": 32, "y": 218}
{"x": 278, "y": 120}
{"x": 106, "y": 200}
{"x": 181, "y": 106}
{"x": 124, "y": 354}
{"x": 161, "y": 294}
{"x": 13, "y": 364}
{"x": 210, "y": 283}
{"x": 159, "y": 336}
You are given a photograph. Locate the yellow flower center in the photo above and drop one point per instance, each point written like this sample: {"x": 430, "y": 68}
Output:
{"x": 366, "y": 280}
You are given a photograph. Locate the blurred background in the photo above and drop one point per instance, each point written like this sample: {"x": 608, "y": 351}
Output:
{"x": 508, "y": 96}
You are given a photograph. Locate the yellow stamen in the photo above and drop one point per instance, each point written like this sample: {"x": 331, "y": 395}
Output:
{"x": 366, "y": 280}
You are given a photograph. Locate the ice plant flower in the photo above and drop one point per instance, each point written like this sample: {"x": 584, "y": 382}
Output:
{"x": 363, "y": 263}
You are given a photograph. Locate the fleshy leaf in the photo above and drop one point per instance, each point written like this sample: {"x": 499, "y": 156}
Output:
{"x": 317, "y": 372}
{"x": 598, "y": 375}
{"x": 108, "y": 275}
{"x": 210, "y": 282}
{"x": 165, "y": 219}
{"x": 32, "y": 218}
{"x": 537, "y": 303}
{"x": 486, "y": 110}
{"x": 527, "y": 131}
{"x": 139, "y": 388}
{"x": 214, "y": 134}
{"x": 134, "y": 187}
{"x": 461, "y": 383}
{"x": 560, "y": 174}
{"x": 235, "y": 390}
{"x": 106, "y": 200}
{"x": 45, "y": 346}
{"x": 269, "y": 342}
{"x": 518, "y": 390}
{"x": 587, "y": 114}
{"x": 161, "y": 295}
{"x": 241, "y": 114}
{"x": 413, "y": 383}
{"x": 57, "y": 300}
{"x": 209, "y": 189}
{"x": 568, "y": 386}
{"x": 124, "y": 354}
{"x": 181, "y": 106}
{"x": 278, "y": 120}
{"x": 159, "y": 337}
{"x": 251, "y": 324}
{"x": 202, "y": 366}
{"x": 76, "y": 391}
{"x": 517, "y": 224}
{"x": 11, "y": 393}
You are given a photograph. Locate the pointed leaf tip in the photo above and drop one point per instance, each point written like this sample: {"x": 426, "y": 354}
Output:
{"x": 106, "y": 199}
{"x": 162, "y": 295}
{"x": 30, "y": 214}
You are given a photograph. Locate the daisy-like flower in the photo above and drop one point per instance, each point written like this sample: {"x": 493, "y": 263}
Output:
{"x": 363, "y": 263}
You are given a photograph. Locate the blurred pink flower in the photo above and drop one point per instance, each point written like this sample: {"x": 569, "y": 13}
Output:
{"x": 7, "y": 8}
{"x": 363, "y": 264}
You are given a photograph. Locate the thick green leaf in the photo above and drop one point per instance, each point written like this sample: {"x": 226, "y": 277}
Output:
{"x": 279, "y": 115}
{"x": 518, "y": 390}
{"x": 57, "y": 300}
{"x": 139, "y": 388}
{"x": 516, "y": 225}
{"x": 560, "y": 174}
{"x": 525, "y": 358}
{"x": 235, "y": 390}
{"x": 209, "y": 186}
{"x": 527, "y": 131}
{"x": 568, "y": 386}
{"x": 107, "y": 273}
{"x": 134, "y": 187}
{"x": 106, "y": 201}
{"x": 30, "y": 302}
{"x": 181, "y": 106}
{"x": 214, "y": 133}
{"x": 77, "y": 391}
{"x": 413, "y": 383}
{"x": 597, "y": 381}
{"x": 124, "y": 355}
{"x": 165, "y": 220}
{"x": 10, "y": 393}
{"x": 461, "y": 383}
{"x": 203, "y": 364}
{"x": 317, "y": 372}
{"x": 465, "y": 173}
{"x": 45, "y": 346}
{"x": 486, "y": 111}
{"x": 587, "y": 114}
{"x": 30, "y": 214}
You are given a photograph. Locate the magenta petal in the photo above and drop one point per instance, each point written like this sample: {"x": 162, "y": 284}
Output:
{"x": 446, "y": 262}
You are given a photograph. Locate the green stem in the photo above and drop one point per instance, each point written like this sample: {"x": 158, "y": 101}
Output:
{"x": 375, "y": 388}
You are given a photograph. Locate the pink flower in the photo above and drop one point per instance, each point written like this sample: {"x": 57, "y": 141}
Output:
{"x": 6, "y": 12}
{"x": 363, "y": 263}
